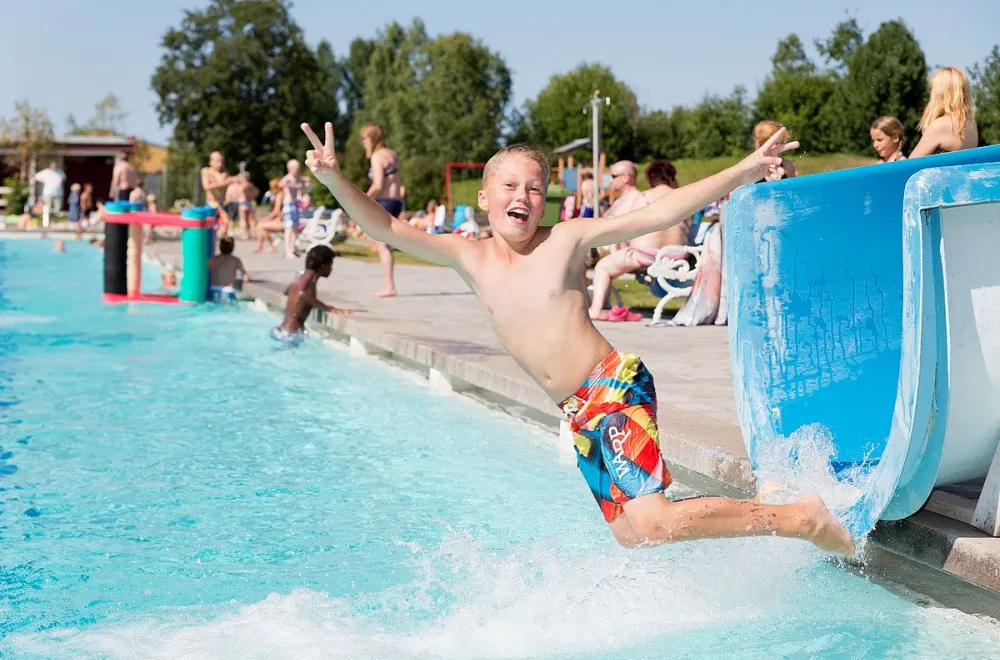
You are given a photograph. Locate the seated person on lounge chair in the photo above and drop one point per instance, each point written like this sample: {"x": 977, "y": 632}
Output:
{"x": 639, "y": 253}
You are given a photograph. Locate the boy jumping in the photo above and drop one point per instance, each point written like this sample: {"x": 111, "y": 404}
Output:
{"x": 530, "y": 280}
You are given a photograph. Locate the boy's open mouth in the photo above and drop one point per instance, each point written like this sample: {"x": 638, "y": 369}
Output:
{"x": 519, "y": 216}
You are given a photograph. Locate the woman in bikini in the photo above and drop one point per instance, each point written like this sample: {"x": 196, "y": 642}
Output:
{"x": 386, "y": 189}
{"x": 949, "y": 121}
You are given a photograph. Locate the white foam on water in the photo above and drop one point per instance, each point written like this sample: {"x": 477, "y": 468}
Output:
{"x": 472, "y": 602}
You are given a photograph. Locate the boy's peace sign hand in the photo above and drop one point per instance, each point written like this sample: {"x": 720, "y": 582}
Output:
{"x": 322, "y": 159}
{"x": 765, "y": 163}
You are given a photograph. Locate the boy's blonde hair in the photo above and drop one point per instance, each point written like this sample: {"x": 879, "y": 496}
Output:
{"x": 518, "y": 150}
{"x": 951, "y": 96}
{"x": 75, "y": 187}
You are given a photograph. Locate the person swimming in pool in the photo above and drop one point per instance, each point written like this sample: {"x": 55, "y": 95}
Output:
{"x": 530, "y": 279}
{"x": 302, "y": 296}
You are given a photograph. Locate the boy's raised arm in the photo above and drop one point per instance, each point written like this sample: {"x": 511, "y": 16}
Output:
{"x": 673, "y": 208}
{"x": 370, "y": 216}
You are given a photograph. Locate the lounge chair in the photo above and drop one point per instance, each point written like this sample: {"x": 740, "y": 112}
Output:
{"x": 320, "y": 230}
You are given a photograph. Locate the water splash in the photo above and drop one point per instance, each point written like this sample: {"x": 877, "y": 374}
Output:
{"x": 472, "y": 601}
{"x": 803, "y": 464}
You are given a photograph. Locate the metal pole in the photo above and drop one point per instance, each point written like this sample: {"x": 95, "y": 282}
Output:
{"x": 595, "y": 106}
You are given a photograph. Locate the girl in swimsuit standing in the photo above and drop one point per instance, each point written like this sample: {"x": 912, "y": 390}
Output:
{"x": 386, "y": 189}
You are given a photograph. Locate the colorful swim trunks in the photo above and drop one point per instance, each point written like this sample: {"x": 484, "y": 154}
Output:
{"x": 613, "y": 419}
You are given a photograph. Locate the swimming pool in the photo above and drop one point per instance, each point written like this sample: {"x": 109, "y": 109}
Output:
{"x": 173, "y": 485}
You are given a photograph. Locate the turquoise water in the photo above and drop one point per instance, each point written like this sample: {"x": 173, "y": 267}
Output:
{"x": 172, "y": 485}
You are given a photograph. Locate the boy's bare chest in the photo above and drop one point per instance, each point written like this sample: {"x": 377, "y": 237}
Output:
{"x": 517, "y": 291}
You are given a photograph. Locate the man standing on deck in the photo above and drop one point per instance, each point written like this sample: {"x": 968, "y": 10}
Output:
{"x": 214, "y": 181}
{"x": 123, "y": 179}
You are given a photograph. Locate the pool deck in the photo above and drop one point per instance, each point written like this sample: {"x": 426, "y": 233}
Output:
{"x": 436, "y": 326}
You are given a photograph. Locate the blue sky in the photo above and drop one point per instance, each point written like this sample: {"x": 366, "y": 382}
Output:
{"x": 65, "y": 55}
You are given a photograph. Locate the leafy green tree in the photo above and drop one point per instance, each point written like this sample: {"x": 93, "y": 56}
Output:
{"x": 353, "y": 72}
{"x": 391, "y": 87}
{"x": 662, "y": 135}
{"x": 424, "y": 180}
{"x": 719, "y": 126}
{"x": 797, "y": 94}
{"x": 800, "y": 102}
{"x": 238, "y": 77}
{"x": 886, "y": 75}
{"x": 465, "y": 89}
{"x": 28, "y": 132}
{"x": 986, "y": 90}
{"x": 556, "y": 116}
{"x": 790, "y": 57}
{"x": 835, "y": 49}
{"x": 181, "y": 181}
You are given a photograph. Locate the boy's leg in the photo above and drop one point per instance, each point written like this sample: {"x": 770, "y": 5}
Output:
{"x": 656, "y": 520}
{"x": 624, "y": 534}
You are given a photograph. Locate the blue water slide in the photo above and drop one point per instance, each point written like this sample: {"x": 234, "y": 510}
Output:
{"x": 838, "y": 318}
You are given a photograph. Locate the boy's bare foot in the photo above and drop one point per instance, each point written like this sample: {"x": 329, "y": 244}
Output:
{"x": 825, "y": 530}
{"x": 385, "y": 293}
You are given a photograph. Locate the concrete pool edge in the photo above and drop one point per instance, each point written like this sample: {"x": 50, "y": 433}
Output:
{"x": 692, "y": 442}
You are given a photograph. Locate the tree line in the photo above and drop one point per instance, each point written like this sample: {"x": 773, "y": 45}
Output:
{"x": 238, "y": 77}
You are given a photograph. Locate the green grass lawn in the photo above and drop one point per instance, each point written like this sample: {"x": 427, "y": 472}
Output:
{"x": 637, "y": 297}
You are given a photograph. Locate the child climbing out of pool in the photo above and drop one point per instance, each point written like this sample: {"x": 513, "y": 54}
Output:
{"x": 530, "y": 280}
{"x": 302, "y": 295}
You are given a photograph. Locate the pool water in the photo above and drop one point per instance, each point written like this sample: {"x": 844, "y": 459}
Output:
{"x": 174, "y": 485}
